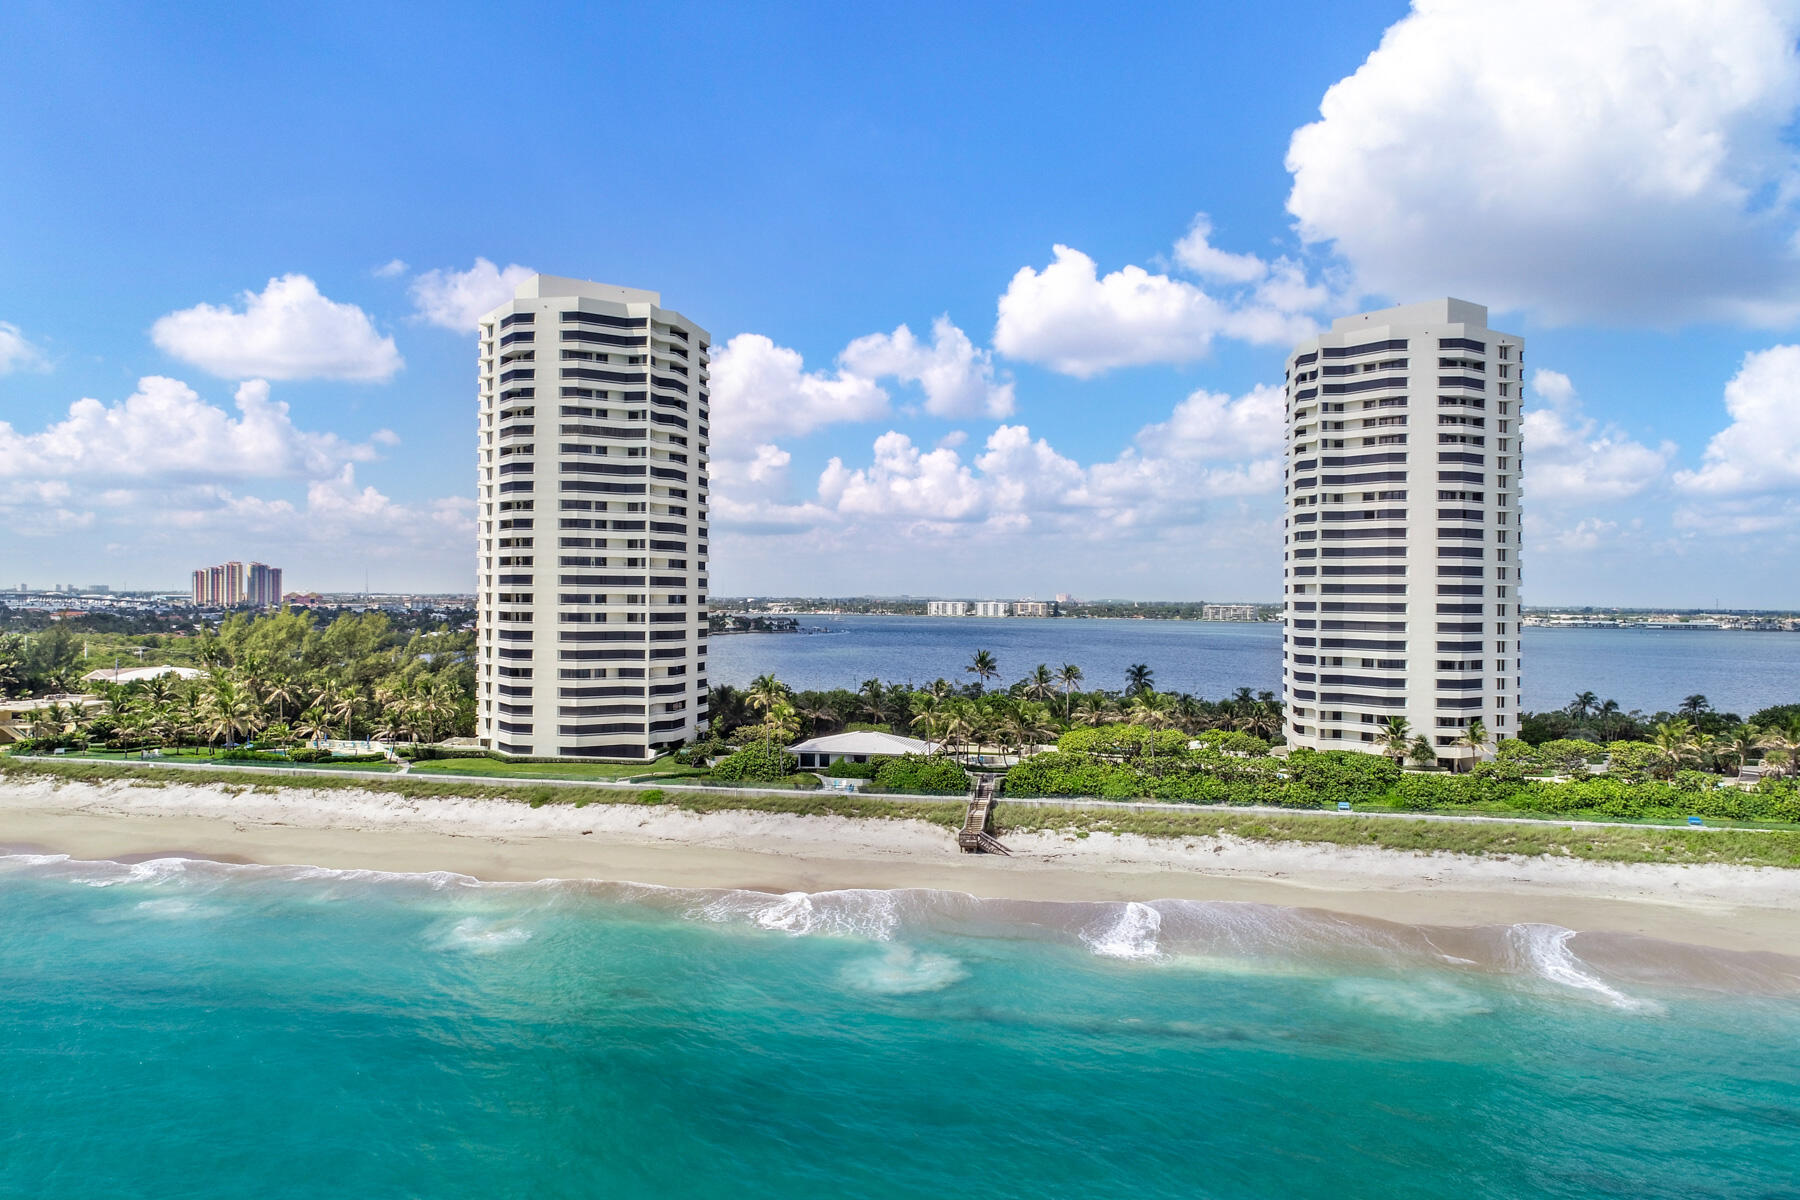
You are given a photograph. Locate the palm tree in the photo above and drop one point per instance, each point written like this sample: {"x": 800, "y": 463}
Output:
{"x": 1030, "y": 725}
{"x": 1151, "y": 709}
{"x": 1095, "y": 710}
{"x": 983, "y": 667}
{"x": 1474, "y": 738}
{"x": 51, "y": 721}
{"x": 1069, "y": 676}
{"x": 765, "y": 693}
{"x": 312, "y": 725}
{"x": 780, "y": 722}
{"x": 962, "y": 723}
{"x": 280, "y": 691}
{"x": 874, "y": 699}
{"x": 1738, "y": 745}
{"x": 1138, "y": 678}
{"x": 932, "y": 722}
{"x": 1263, "y": 720}
{"x": 1584, "y": 705}
{"x": 1695, "y": 706}
{"x": 1783, "y": 745}
{"x": 1041, "y": 683}
{"x": 1396, "y": 738}
{"x": 819, "y": 717}
{"x": 229, "y": 710}
{"x": 1675, "y": 744}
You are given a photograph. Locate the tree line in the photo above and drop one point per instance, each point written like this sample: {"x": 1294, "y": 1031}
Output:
{"x": 278, "y": 678}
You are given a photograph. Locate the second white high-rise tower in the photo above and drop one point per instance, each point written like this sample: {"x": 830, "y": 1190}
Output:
{"x": 592, "y": 464}
{"x": 1401, "y": 563}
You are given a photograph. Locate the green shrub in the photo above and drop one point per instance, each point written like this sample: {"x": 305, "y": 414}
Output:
{"x": 1124, "y": 741}
{"x": 1233, "y": 741}
{"x": 240, "y": 754}
{"x": 1632, "y": 760}
{"x": 759, "y": 762}
{"x": 920, "y": 774}
{"x": 845, "y": 769}
{"x": 1321, "y": 776}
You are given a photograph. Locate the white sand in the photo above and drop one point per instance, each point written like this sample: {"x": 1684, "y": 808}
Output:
{"x": 1749, "y": 908}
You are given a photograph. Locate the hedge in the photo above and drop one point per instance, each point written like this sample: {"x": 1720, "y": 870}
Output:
{"x": 920, "y": 774}
{"x": 759, "y": 762}
{"x": 1314, "y": 779}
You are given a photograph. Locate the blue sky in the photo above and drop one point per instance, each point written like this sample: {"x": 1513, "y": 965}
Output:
{"x": 243, "y": 248}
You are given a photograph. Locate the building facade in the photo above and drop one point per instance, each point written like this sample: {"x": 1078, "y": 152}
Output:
{"x": 946, "y": 608}
{"x": 992, "y": 608}
{"x": 592, "y": 440}
{"x": 1401, "y": 554}
{"x": 232, "y": 584}
{"x": 1228, "y": 612}
{"x": 263, "y": 586}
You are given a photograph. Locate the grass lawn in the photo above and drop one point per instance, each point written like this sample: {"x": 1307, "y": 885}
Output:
{"x": 201, "y": 757}
{"x": 499, "y": 769}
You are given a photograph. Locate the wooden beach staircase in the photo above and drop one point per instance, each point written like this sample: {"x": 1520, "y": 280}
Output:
{"x": 976, "y": 835}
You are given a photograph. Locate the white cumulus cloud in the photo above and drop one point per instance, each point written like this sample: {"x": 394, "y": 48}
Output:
{"x": 958, "y": 379}
{"x": 1760, "y": 450}
{"x": 287, "y": 331}
{"x": 164, "y": 430}
{"x": 1584, "y": 159}
{"x": 458, "y": 299}
{"x": 1572, "y": 456}
{"x": 1074, "y": 320}
{"x": 761, "y": 390}
{"x": 16, "y": 351}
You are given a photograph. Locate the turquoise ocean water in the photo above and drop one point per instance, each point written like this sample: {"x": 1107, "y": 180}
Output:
{"x": 182, "y": 1028}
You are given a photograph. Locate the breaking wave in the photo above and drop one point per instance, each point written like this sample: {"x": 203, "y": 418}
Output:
{"x": 1218, "y": 937}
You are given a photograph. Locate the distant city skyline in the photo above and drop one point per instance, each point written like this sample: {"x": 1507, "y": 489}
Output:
{"x": 946, "y": 359}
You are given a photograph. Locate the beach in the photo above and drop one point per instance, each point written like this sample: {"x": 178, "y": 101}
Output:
{"x": 1720, "y": 907}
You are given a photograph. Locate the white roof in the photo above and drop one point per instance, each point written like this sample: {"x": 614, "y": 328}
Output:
{"x": 861, "y": 742}
{"x": 133, "y": 674}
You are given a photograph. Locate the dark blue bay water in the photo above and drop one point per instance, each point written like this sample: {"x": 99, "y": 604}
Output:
{"x": 202, "y": 1031}
{"x": 1641, "y": 669}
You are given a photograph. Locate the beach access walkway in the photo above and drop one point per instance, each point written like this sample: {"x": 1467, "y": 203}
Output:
{"x": 977, "y": 833}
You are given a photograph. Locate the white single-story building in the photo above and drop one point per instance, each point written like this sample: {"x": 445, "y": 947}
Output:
{"x": 858, "y": 746}
{"x": 135, "y": 674}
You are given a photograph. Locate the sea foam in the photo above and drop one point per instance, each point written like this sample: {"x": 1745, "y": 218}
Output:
{"x": 904, "y": 971}
{"x": 1129, "y": 932}
{"x": 1543, "y": 952}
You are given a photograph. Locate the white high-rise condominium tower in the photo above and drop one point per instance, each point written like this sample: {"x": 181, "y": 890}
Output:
{"x": 1401, "y": 547}
{"x": 592, "y": 553}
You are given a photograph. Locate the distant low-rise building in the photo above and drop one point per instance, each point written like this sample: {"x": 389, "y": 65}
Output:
{"x": 1034, "y": 608}
{"x": 46, "y": 715}
{"x": 947, "y": 608}
{"x": 1228, "y": 612}
{"x": 993, "y": 608}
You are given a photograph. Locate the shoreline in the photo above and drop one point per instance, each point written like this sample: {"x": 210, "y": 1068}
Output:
{"x": 1720, "y": 907}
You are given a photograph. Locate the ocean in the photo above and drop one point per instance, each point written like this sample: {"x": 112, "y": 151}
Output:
{"x": 1652, "y": 670}
{"x": 185, "y": 1028}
